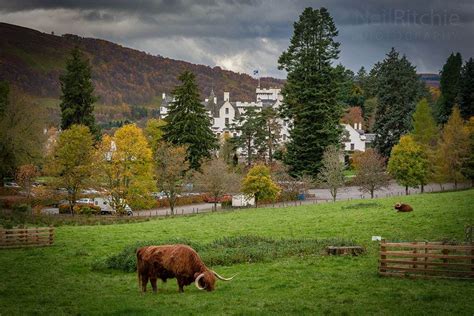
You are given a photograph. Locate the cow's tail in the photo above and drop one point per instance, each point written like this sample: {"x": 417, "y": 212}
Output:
{"x": 139, "y": 263}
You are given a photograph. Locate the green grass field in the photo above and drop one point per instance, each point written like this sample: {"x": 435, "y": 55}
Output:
{"x": 61, "y": 279}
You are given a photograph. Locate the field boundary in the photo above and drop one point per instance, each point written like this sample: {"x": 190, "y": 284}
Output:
{"x": 427, "y": 260}
{"x": 26, "y": 237}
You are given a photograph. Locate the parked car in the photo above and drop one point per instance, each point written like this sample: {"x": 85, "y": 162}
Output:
{"x": 85, "y": 201}
{"x": 158, "y": 195}
{"x": 11, "y": 185}
{"x": 107, "y": 209}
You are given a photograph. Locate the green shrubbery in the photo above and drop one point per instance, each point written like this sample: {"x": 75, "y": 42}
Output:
{"x": 229, "y": 250}
{"x": 82, "y": 209}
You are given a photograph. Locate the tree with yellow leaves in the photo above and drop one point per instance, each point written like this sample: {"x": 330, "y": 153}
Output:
{"x": 453, "y": 149}
{"x": 126, "y": 168}
{"x": 408, "y": 163}
{"x": 259, "y": 184}
{"x": 71, "y": 162}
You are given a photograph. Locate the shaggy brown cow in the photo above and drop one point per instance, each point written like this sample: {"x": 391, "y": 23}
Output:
{"x": 403, "y": 207}
{"x": 174, "y": 261}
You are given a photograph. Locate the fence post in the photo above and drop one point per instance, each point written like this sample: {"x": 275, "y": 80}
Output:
{"x": 426, "y": 255}
{"x": 382, "y": 256}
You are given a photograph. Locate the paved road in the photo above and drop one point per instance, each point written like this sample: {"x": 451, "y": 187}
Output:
{"x": 394, "y": 189}
{"x": 321, "y": 195}
{"x": 179, "y": 210}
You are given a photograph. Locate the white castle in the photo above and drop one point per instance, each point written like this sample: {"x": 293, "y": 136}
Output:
{"x": 224, "y": 113}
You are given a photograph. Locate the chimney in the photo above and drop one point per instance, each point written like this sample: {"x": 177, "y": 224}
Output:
{"x": 163, "y": 96}
{"x": 360, "y": 126}
{"x": 355, "y": 125}
{"x": 215, "y": 100}
{"x": 226, "y": 96}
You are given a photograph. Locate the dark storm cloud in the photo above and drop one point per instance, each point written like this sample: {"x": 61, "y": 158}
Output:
{"x": 247, "y": 35}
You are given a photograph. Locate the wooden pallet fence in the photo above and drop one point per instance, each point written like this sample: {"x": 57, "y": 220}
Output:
{"x": 427, "y": 260}
{"x": 26, "y": 237}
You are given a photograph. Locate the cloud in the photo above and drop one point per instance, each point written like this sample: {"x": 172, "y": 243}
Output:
{"x": 251, "y": 34}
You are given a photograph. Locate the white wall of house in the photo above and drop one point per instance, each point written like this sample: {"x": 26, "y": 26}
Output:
{"x": 356, "y": 140}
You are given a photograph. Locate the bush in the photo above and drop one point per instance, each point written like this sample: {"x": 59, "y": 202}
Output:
{"x": 229, "y": 250}
{"x": 22, "y": 208}
{"x": 64, "y": 209}
{"x": 226, "y": 204}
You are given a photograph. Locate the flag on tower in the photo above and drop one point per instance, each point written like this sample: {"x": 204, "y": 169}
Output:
{"x": 255, "y": 72}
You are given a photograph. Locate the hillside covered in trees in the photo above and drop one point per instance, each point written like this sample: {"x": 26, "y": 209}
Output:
{"x": 33, "y": 61}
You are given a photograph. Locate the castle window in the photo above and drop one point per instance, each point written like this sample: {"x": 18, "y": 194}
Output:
{"x": 226, "y": 121}
{"x": 226, "y": 110}
{"x": 352, "y": 146}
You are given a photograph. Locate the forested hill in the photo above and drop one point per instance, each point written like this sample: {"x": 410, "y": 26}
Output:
{"x": 33, "y": 61}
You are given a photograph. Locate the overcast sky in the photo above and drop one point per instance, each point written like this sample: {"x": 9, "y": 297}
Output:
{"x": 251, "y": 34}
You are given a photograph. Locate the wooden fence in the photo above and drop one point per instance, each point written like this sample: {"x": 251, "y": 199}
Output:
{"x": 26, "y": 237}
{"x": 427, "y": 260}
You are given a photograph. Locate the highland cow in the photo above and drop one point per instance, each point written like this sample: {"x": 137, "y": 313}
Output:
{"x": 174, "y": 261}
{"x": 400, "y": 207}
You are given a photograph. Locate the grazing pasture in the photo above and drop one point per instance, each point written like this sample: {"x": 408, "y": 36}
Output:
{"x": 74, "y": 275}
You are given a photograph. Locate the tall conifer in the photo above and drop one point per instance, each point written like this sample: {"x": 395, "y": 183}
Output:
{"x": 188, "y": 122}
{"x": 466, "y": 92}
{"x": 449, "y": 85}
{"x": 398, "y": 89}
{"x": 311, "y": 89}
{"x": 77, "y": 97}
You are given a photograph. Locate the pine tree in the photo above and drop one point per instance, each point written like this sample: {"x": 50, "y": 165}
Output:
{"x": 466, "y": 93}
{"x": 310, "y": 92}
{"x": 449, "y": 84}
{"x": 250, "y": 127}
{"x": 398, "y": 89}
{"x": 188, "y": 123}
{"x": 77, "y": 97}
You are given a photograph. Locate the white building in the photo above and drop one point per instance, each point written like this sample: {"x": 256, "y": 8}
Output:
{"x": 226, "y": 112}
{"x": 355, "y": 137}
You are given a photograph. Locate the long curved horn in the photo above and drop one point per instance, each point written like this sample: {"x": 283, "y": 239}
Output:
{"x": 222, "y": 278}
{"x": 196, "y": 282}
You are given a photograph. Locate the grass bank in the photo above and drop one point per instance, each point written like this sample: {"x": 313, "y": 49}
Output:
{"x": 61, "y": 279}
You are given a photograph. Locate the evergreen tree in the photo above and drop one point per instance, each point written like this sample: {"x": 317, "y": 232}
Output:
{"x": 250, "y": 127}
{"x": 449, "y": 84}
{"x": 188, "y": 122}
{"x": 398, "y": 88}
{"x": 345, "y": 79}
{"x": 78, "y": 93}
{"x": 466, "y": 93}
{"x": 310, "y": 92}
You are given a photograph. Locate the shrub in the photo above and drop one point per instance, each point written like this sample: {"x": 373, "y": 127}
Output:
{"x": 22, "y": 208}
{"x": 226, "y": 204}
{"x": 230, "y": 250}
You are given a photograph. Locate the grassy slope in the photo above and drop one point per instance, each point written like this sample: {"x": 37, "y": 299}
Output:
{"x": 59, "y": 279}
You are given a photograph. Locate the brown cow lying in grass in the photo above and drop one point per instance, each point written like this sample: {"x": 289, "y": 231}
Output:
{"x": 174, "y": 261}
{"x": 400, "y": 207}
